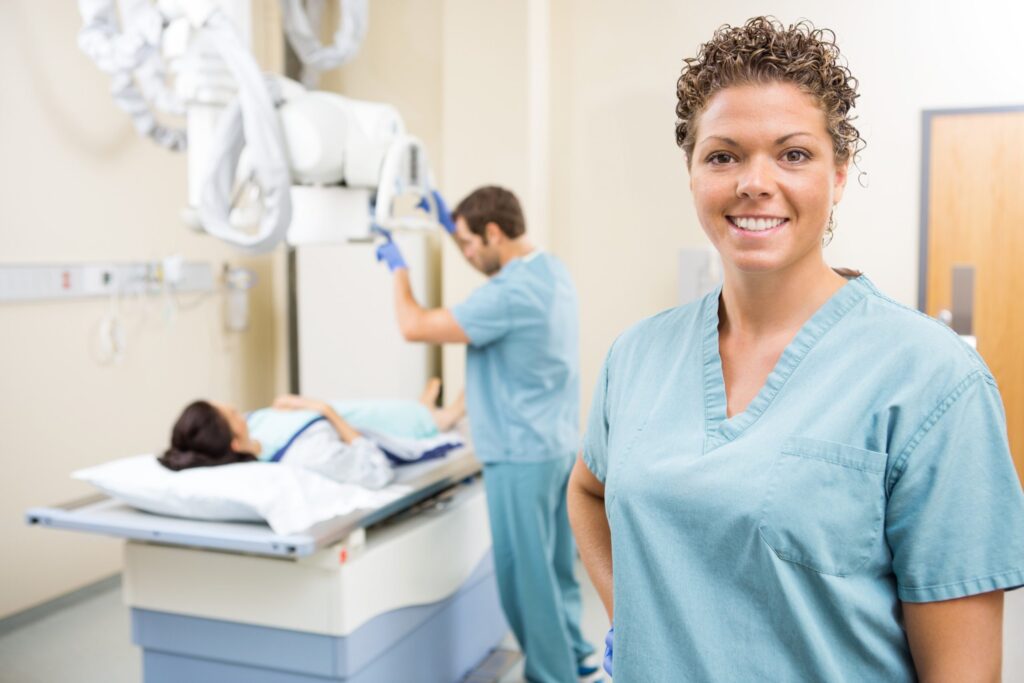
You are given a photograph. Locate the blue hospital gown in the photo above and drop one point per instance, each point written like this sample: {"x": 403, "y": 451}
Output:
{"x": 776, "y": 545}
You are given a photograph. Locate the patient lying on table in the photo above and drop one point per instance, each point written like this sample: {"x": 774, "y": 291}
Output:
{"x": 339, "y": 439}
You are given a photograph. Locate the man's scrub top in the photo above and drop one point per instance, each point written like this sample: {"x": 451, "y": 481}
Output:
{"x": 777, "y": 544}
{"x": 522, "y": 363}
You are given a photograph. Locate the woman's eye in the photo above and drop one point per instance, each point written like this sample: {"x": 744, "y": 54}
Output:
{"x": 719, "y": 158}
{"x": 794, "y": 156}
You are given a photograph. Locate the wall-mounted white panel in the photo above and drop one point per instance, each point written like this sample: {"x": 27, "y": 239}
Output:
{"x": 348, "y": 339}
{"x": 329, "y": 215}
{"x": 30, "y": 282}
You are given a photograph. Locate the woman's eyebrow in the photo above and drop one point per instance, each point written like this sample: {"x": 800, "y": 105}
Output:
{"x": 783, "y": 139}
{"x": 722, "y": 138}
{"x": 729, "y": 141}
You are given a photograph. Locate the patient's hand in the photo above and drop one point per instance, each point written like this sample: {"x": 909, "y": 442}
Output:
{"x": 293, "y": 402}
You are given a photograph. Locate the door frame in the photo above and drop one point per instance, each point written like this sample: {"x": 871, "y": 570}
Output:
{"x": 927, "y": 116}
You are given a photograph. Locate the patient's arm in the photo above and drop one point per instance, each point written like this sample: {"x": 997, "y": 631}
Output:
{"x": 445, "y": 418}
{"x": 292, "y": 402}
{"x": 430, "y": 392}
{"x": 347, "y": 433}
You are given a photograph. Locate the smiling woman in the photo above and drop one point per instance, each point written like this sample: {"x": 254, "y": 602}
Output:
{"x": 780, "y": 469}
{"x": 765, "y": 186}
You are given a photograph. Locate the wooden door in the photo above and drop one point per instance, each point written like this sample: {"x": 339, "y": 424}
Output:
{"x": 973, "y": 215}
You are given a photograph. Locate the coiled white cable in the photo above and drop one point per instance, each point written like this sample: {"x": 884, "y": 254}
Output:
{"x": 300, "y": 24}
{"x": 131, "y": 55}
{"x": 250, "y": 122}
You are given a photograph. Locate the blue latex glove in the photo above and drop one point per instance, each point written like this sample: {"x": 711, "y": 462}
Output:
{"x": 608, "y": 639}
{"x": 389, "y": 252}
{"x": 444, "y": 216}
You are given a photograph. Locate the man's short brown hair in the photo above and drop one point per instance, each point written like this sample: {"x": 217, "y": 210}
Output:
{"x": 491, "y": 204}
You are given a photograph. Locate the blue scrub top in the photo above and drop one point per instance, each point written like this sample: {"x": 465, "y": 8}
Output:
{"x": 522, "y": 363}
{"x": 776, "y": 545}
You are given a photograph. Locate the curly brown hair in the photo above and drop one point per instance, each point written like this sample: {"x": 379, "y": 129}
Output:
{"x": 764, "y": 50}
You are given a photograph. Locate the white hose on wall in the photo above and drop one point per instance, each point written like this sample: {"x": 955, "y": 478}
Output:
{"x": 300, "y": 25}
{"x": 249, "y": 123}
{"x": 131, "y": 56}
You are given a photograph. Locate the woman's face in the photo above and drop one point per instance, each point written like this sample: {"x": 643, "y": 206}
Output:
{"x": 764, "y": 176}
{"x": 241, "y": 441}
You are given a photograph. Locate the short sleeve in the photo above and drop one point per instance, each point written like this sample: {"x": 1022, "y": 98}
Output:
{"x": 955, "y": 516}
{"x": 595, "y": 440}
{"x": 484, "y": 316}
{"x": 361, "y": 462}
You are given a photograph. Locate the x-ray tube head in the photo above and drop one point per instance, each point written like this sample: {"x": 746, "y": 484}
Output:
{"x": 332, "y": 139}
{"x": 315, "y": 134}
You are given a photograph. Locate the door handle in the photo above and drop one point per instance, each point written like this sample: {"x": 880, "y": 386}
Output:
{"x": 963, "y": 300}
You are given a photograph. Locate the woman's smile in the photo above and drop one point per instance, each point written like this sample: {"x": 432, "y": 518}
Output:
{"x": 757, "y": 227}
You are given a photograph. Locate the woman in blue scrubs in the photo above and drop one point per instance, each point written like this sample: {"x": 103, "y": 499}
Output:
{"x": 795, "y": 478}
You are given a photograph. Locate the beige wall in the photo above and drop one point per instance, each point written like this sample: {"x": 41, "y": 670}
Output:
{"x": 621, "y": 204}
{"x": 569, "y": 103}
{"x": 400, "y": 63}
{"x": 470, "y": 78}
{"x": 77, "y": 184}
{"x": 495, "y": 123}
{"x": 588, "y": 141}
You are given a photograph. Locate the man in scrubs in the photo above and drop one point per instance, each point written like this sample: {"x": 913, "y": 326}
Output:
{"x": 522, "y": 392}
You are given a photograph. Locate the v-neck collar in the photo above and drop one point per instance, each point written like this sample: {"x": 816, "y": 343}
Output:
{"x": 719, "y": 429}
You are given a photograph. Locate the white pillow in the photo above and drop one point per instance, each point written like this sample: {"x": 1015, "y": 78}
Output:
{"x": 290, "y": 499}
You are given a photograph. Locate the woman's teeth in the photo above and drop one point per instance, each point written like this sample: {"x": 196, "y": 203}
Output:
{"x": 756, "y": 224}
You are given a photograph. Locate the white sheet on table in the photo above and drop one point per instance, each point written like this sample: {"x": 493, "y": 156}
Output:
{"x": 289, "y": 499}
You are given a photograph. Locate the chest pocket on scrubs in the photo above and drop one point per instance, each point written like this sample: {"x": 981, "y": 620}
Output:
{"x": 824, "y": 505}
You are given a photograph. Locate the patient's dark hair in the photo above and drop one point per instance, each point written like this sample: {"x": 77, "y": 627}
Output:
{"x": 201, "y": 438}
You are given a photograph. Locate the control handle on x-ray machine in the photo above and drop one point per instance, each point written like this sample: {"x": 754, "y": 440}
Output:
{"x": 405, "y": 171}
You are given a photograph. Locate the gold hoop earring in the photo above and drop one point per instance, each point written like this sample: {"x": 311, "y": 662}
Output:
{"x": 830, "y": 229}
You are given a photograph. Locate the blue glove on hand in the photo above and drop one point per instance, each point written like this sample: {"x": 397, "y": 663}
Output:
{"x": 444, "y": 216}
{"x": 389, "y": 251}
{"x": 608, "y": 639}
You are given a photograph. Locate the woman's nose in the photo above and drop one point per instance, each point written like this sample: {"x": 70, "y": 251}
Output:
{"x": 756, "y": 179}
